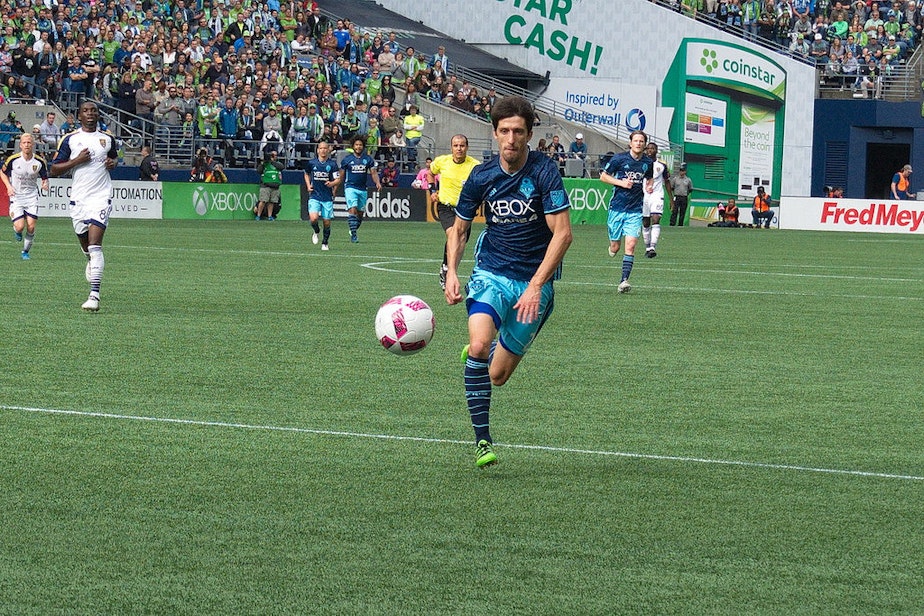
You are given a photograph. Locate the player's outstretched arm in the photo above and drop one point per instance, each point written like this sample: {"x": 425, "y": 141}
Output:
{"x": 527, "y": 306}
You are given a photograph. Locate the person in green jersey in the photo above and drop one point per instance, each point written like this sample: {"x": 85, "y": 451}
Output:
{"x": 270, "y": 170}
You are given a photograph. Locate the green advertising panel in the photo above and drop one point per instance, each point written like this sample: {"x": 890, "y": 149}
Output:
{"x": 590, "y": 200}
{"x": 223, "y": 201}
{"x": 729, "y": 106}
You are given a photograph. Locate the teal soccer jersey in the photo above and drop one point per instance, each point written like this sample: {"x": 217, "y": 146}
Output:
{"x": 357, "y": 170}
{"x": 321, "y": 172}
{"x": 516, "y": 237}
{"x": 622, "y": 166}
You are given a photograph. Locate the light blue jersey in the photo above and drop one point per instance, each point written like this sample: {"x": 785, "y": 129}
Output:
{"x": 516, "y": 237}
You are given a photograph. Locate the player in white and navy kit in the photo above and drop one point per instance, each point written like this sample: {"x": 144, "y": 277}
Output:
{"x": 322, "y": 175}
{"x": 653, "y": 206}
{"x": 517, "y": 256}
{"x": 20, "y": 174}
{"x": 91, "y": 154}
{"x": 356, "y": 168}
{"x": 628, "y": 173}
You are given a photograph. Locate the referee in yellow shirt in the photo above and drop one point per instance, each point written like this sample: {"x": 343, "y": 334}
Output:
{"x": 452, "y": 169}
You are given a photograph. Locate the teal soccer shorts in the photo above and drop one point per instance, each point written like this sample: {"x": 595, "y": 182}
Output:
{"x": 356, "y": 197}
{"x": 623, "y": 224}
{"x": 325, "y": 208}
{"x": 495, "y": 295}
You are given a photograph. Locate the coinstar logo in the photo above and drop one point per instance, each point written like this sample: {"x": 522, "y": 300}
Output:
{"x": 635, "y": 120}
{"x": 734, "y": 63}
{"x": 709, "y": 61}
{"x": 200, "y": 201}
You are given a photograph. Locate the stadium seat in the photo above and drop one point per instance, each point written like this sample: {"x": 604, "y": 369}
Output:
{"x": 574, "y": 168}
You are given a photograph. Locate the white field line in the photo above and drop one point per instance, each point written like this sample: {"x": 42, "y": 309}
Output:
{"x": 420, "y": 439}
{"x": 382, "y": 262}
{"x": 744, "y": 291}
{"x": 382, "y": 266}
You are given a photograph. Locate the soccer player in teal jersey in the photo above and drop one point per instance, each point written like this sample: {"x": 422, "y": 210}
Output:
{"x": 356, "y": 168}
{"x": 517, "y": 256}
{"x": 322, "y": 175}
{"x": 630, "y": 174}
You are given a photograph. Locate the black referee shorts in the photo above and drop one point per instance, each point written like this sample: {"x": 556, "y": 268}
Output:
{"x": 446, "y": 214}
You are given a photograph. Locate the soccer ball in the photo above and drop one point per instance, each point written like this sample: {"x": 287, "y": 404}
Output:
{"x": 404, "y": 324}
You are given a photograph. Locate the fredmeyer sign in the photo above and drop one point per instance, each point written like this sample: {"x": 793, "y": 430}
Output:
{"x": 852, "y": 215}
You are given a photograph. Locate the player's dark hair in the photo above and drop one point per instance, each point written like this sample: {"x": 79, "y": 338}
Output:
{"x": 511, "y": 107}
{"x": 459, "y": 136}
{"x": 361, "y": 138}
{"x": 638, "y": 132}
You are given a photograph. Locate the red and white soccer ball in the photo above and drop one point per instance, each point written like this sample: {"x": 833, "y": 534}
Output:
{"x": 404, "y": 324}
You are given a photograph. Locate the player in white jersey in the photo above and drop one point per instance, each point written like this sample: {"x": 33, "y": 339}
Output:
{"x": 653, "y": 205}
{"x": 20, "y": 173}
{"x": 91, "y": 154}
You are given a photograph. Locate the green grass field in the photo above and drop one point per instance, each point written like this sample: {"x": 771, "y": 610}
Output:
{"x": 740, "y": 434}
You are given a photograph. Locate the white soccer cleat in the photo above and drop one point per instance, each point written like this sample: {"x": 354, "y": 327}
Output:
{"x": 87, "y": 271}
{"x": 325, "y": 247}
{"x": 91, "y": 305}
{"x": 610, "y": 252}
{"x": 624, "y": 286}
{"x": 314, "y": 238}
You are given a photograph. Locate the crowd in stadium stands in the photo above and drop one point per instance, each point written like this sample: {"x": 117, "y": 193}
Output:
{"x": 236, "y": 76}
{"x": 855, "y": 44}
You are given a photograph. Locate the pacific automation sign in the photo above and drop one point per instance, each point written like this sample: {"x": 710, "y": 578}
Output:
{"x": 852, "y": 215}
{"x": 129, "y": 199}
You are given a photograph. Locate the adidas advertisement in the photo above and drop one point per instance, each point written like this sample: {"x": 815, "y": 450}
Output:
{"x": 395, "y": 204}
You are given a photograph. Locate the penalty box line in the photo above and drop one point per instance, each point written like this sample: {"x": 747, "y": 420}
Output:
{"x": 421, "y": 439}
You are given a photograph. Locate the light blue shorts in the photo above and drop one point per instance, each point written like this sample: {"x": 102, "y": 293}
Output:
{"x": 623, "y": 224}
{"x": 325, "y": 208}
{"x": 495, "y": 295}
{"x": 356, "y": 197}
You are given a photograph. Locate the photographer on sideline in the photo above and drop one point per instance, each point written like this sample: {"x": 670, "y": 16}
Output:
{"x": 270, "y": 171}
{"x": 202, "y": 167}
